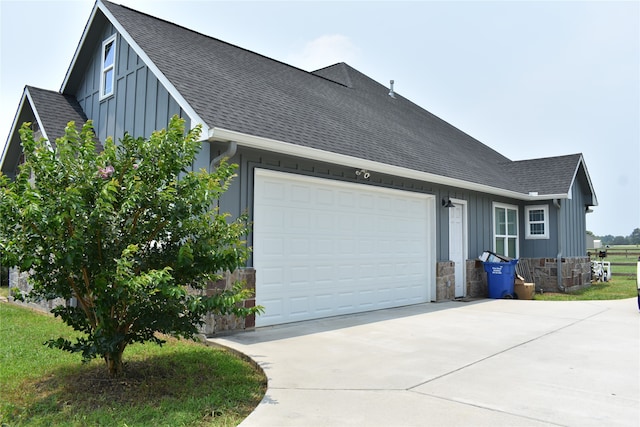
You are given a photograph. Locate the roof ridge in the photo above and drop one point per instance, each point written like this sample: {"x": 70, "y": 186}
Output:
{"x": 562, "y": 156}
{"x": 342, "y": 68}
{"x": 106, "y": 3}
{"x": 283, "y": 103}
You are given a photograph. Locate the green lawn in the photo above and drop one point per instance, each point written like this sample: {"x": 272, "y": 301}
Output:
{"x": 619, "y": 287}
{"x": 182, "y": 383}
{"x": 616, "y": 288}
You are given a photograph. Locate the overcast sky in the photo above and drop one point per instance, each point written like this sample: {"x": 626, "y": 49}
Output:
{"x": 528, "y": 79}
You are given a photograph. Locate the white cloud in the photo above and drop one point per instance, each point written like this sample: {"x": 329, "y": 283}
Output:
{"x": 324, "y": 51}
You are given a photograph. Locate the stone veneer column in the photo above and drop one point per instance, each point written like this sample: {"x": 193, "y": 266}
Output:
{"x": 476, "y": 279}
{"x": 445, "y": 280}
{"x": 216, "y": 323}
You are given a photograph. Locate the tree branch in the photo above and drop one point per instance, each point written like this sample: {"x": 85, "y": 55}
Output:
{"x": 82, "y": 302}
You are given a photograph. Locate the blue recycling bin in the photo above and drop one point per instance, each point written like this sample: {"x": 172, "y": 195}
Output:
{"x": 501, "y": 277}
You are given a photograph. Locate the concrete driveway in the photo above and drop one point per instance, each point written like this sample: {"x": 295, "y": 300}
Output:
{"x": 483, "y": 363}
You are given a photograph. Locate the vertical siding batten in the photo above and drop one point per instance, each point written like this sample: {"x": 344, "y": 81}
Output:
{"x": 139, "y": 106}
{"x": 239, "y": 197}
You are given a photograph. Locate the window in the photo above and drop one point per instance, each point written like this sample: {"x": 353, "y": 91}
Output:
{"x": 108, "y": 67}
{"x": 505, "y": 230}
{"x": 536, "y": 220}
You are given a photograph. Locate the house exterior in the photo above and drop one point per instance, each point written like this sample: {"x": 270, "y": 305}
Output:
{"x": 360, "y": 199}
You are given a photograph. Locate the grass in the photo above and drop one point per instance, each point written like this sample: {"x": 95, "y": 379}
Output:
{"x": 619, "y": 287}
{"x": 182, "y": 383}
{"x": 616, "y": 288}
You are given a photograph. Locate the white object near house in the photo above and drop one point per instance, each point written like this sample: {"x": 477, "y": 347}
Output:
{"x": 638, "y": 281}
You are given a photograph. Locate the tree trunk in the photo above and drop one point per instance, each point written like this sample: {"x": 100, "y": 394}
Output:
{"x": 114, "y": 363}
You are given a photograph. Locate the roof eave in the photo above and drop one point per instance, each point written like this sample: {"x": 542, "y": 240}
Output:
{"x": 81, "y": 43}
{"x": 586, "y": 172}
{"x": 37, "y": 116}
{"x": 217, "y": 134}
{"x": 12, "y": 130}
{"x": 182, "y": 102}
{"x": 26, "y": 98}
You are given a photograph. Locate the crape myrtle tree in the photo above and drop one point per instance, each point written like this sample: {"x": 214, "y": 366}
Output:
{"x": 127, "y": 234}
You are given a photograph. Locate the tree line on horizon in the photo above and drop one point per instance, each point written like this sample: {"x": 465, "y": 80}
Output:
{"x": 632, "y": 239}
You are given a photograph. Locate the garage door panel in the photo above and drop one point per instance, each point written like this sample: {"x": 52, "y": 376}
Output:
{"x": 337, "y": 248}
{"x": 272, "y": 275}
{"x": 299, "y": 193}
{"x": 366, "y": 202}
{"x": 273, "y": 311}
{"x": 347, "y": 246}
{"x": 346, "y": 199}
{"x": 324, "y": 303}
{"x": 299, "y": 247}
{"x": 299, "y": 305}
{"x": 274, "y": 190}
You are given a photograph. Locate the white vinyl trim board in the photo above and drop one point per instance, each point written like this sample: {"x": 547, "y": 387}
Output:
{"x": 325, "y": 248}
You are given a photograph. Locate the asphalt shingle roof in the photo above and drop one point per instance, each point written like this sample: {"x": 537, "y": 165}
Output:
{"x": 55, "y": 111}
{"x": 335, "y": 109}
{"x": 550, "y": 175}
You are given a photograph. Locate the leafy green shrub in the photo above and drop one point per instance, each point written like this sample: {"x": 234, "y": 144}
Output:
{"x": 124, "y": 233}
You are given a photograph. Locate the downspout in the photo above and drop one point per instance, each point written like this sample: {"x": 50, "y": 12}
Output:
{"x": 228, "y": 153}
{"x": 556, "y": 203}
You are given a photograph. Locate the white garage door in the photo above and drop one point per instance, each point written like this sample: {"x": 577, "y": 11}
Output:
{"x": 324, "y": 248}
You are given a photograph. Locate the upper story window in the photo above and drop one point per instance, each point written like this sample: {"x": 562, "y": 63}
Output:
{"x": 505, "y": 230}
{"x": 107, "y": 77}
{"x": 536, "y": 222}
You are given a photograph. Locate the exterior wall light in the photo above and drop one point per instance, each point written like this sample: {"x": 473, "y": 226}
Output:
{"x": 365, "y": 173}
{"x": 447, "y": 203}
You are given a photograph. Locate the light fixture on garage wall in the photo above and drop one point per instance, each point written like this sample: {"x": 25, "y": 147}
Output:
{"x": 447, "y": 203}
{"x": 365, "y": 173}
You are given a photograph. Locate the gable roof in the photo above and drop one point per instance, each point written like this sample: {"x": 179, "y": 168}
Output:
{"x": 333, "y": 113}
{"x": 52, "y": 111}
{"x": 550, "y": 175}
{"x": 236, "y": 89}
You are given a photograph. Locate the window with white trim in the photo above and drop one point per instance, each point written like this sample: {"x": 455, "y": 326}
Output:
{"x": 536, "y": 219}
{"x": 107, "y": 77}
{"x": 505, "y": 230}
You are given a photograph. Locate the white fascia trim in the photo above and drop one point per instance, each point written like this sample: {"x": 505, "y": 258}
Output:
{"x": 586, "y": 172}
{"x": 37, "y": 116}
{"x": 80, "y": 44}
{"x": 193, "y": 116}
{"x": 26, "y": 96}
{"x": 257, "y": 142}
{"x": 14, "y": 124}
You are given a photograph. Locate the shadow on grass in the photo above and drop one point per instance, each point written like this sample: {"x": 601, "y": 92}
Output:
{"x": 191, "y": 386}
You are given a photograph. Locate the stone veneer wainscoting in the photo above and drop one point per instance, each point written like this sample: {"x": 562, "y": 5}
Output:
{"x": 215, "y": 324}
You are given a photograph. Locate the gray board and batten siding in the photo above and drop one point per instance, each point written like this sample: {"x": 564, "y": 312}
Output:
{"x": 573, "y": 221}
{"x": 140, "y": 103}
{"x": 239, "y": 199}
